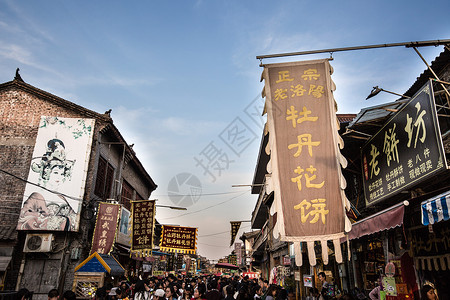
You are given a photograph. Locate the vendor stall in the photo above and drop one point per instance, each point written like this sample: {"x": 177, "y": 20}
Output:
{"x": 93, "y": 272}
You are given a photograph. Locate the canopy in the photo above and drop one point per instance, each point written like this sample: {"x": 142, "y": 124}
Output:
{"x": 386, "y": 219}
{"x": 227, "y": 266}
{"x": 436, "y": 209}
{"x": 101, "y": 263}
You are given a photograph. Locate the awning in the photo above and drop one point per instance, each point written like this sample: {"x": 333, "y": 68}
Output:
{"x": 385, "y": 219}
{"x": 101, "y": 263}
{"x": 432, "y": 262}
{"x": 226, "y": 266}
{"x": 436, "y": 209}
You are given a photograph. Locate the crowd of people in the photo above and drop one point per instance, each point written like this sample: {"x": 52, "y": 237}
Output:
{"x": 195, "y": 288}
{"x": 207, "y": 288}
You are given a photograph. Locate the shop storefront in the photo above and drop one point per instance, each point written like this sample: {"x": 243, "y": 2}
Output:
{"x": 430, "y": 244}
{"x": 380, "y": 252}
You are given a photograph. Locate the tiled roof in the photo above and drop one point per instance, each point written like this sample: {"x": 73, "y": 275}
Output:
{"x": 439, "y": 64}
{"x": 8, "y": 233}
{"x": 345, "y": 118}
{"x": 54, "y": 99}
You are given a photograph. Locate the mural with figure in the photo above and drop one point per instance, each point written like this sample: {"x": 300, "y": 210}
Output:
{"x": 57, "y": 176}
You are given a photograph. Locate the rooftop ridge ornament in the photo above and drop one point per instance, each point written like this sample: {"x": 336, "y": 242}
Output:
{"x": 18, "y": 77}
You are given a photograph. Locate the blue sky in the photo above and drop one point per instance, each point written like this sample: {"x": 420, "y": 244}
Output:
{"x": 177, "y": 74}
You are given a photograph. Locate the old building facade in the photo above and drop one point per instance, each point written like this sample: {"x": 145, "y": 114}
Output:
{"x": 393, "y": 233}
{"x": 112, "y": 173}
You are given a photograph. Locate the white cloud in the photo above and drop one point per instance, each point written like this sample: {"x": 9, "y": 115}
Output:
{"x": 31, "y": 28}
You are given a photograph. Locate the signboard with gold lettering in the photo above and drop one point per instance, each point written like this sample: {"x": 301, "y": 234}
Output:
{"x": 234, "y": 230}
{"x": 305, "y": 159}
{"x": 105, "y": 228}
{"x": 178, "y": 239}
{"x": 143, "y": 223}
{"x": 407, "y": 150}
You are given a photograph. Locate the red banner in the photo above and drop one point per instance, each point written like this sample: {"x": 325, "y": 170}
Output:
{"x": 105, "y": 228}
{"x": 143, "y": 220}
{"x": 179, "y": 239}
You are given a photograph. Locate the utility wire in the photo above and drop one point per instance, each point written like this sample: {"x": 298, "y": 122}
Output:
{"x": 212, "y": 245}
{"x": 74, "y": 198}
{"x": 193, "y": 212}
{"x": 214, "y": 234}
{"x": 35, "y": 184}
{"x": 228, "y": 231}
{"x": 184, "y": 195}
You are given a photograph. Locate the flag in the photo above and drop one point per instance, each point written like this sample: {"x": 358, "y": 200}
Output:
{"x": 305, "y": 160}
{"x": 105, "y": 228}
{"x": 143, "y": 223}
{"x": 234, "y": 230}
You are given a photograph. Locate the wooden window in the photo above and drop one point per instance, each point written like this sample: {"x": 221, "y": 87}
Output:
{"x": 105, "y": 179}
{"x": 127, "y": 195}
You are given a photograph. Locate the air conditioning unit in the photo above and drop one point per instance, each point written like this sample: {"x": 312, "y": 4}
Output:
{"x": 38, "y": 242}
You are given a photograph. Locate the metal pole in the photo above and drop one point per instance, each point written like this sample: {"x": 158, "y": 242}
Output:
{"x": 406, "y": 44}
{"x": 404, "y": 96}
{"x": 432, "y": 72}
{"x": 243, "y": 185}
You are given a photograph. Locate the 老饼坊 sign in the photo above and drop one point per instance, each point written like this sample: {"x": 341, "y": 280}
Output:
{"x": 407, "y": 150}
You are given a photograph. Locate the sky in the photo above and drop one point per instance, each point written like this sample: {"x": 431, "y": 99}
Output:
{"x": 183, "y": 81}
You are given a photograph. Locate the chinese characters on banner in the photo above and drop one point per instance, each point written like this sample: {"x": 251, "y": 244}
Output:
{"x": 232, "y": 259}
{"x": 178, "y": 239}
{"x": 143, "y": 223}
{"x": 305, "y": 159}
{"x": 105, "y": 228}
{"x": 238, "y": 251}
{"x": 407, "y": 150}
{"x": 234, "y": 230}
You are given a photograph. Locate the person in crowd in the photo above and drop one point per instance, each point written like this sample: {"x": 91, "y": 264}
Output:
{"x": 271, "y": 292}
{"x": 182, "y": 286}
{"x": 199, "y": 292}
{"x": 108, "y": 288}
{"x": 265, "y": 285}
{"x": 324, "y": 283}
{"x": 257, "y": 292}
{"x": 281, "y": 294}
{"x": 23, "y": 294}
{"x": 119, "y": 294}
{"x": 375, "y": 293}
{"x": 187, "y": 293}
{"x": 112, "y": 295}
{"x": 313, "y": 294}
{"x": 140, "y": 291}
{"x": 69, "y": 295}
{"x": 229, "y": 290}
{"x": 171, "y": 293}
{"x": 428, "y": 293}
{"x": 151, "y": 285}
{"x": 213, "y": 293}
{"x": 53, "y": 294}
{"x": 124, "y": 288}
{"x": 159, "y": 294}
{"x": 100, "y": 294}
